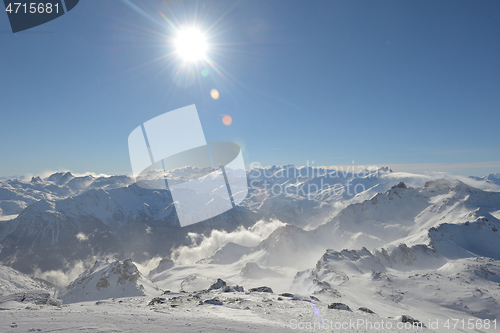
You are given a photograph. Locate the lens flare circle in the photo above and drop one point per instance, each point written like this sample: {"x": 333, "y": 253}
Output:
{"x": 214, "y": 93}
{"x": 227, "y": 120}
{"x": 191, "y": 44}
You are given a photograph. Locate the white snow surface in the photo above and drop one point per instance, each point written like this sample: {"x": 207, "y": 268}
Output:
{"x": 12, "y": 282}
{"x": 109, "y": 279}
{"x": 424, "y": 246}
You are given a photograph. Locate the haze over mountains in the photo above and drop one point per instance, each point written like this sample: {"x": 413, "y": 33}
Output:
{"x": 396, "y": 243}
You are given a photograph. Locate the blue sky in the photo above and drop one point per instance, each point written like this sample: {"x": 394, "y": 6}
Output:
{"x": 410, "y": 84}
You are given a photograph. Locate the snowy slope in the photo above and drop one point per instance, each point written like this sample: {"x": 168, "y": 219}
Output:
{"x": 109, "y": 279}
{"x": 493, "y": 178}
{"x": 183, "y": 313}
{"x": 450, "y": 216}
{"x": 416, "y": 279}
{"x": 227, "y": 254}
{"x": 129, "y": 222}
{"x": 12, "y": 281}
{"x": 433, "y": 255}
{"x": 404, "y": 244}
{"x": 163, "y": 265}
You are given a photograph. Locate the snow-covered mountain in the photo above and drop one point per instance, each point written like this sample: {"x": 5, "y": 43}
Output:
{"x": 417, "y": 279}
{"x": 493, "y": 178}
{"x": 163, "y": 265}
{"x": 389, "y": 241}
{"x": 19, "y": 288}
{"x": 227, "y": 254}
{"x": 64, "y": 217}
{"x": 13, "y": 282}
{"x": 127, "y": 221}
{"x": 431, "y": 250}
{"x": 454, "y": 218}
{"x": 16, "y": 195}
{"x": 109, "y": 279}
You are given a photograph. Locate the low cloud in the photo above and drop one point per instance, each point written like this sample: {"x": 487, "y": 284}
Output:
{"x": 419, "y": 180}
{"x": 81, "y": 237}
{"x": 62, "y": 278}
{"x": 250, "y": 237}
{"x": 146, "y": 266}
{"x": 462, "y": 168}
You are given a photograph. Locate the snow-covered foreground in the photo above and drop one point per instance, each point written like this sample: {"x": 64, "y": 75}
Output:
{"x": 339, "y": 294}
{"x": 182, "y": 312}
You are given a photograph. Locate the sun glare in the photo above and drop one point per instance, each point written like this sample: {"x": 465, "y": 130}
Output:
{"x": 191, "y": 45}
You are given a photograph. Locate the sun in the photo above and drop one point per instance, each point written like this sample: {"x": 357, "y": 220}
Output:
{"x": 191, "y": 45}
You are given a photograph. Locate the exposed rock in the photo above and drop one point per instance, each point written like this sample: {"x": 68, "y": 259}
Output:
{"x": 39, "y": 297}
{"x": 218, "y": 285}
{"x": 365, "y": 310}
{"x": 157, "y": 300}
{"x": 339, "y": 306}
{"x": 401, "y": 185}
{"x": 236, "y": 288}
{"x": 176, "y": 301}
{"x": 36, "y": 179}
{"x": 327, "y": 290}
{"x": 213, "y": 301}
{"x": 409, "y": 319}
{"x": 222, "y": 286}
{"x": 263, "y": 289}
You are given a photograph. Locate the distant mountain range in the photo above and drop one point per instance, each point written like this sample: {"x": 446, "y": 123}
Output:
{"x": 423, "y": 242}
{"x": 63, "y": 218}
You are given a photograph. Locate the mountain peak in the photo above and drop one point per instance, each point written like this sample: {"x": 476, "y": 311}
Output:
{"x": 36, "y": 179}
{"x": 400, "y": 185}
{"x": 107, "y": 279}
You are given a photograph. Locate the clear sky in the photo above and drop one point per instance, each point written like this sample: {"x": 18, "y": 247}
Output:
{"x": 410, "y": 84}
